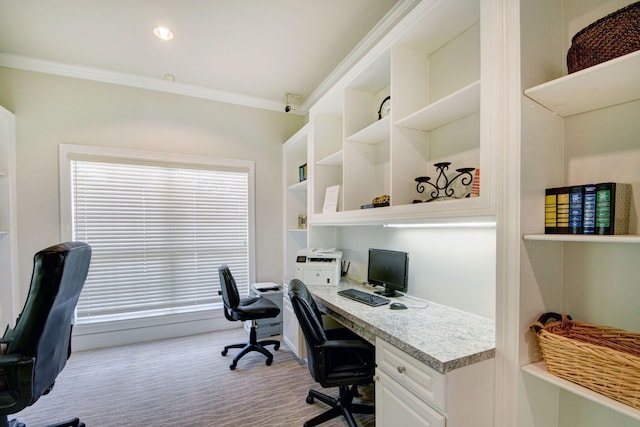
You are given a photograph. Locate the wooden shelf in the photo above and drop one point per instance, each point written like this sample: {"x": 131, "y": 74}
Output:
{"x": 298, "y": 186}
{"x": 447, "y": 212}
{"x": 374, "y": 133}
{"x": 603, "y": 85}
{"x": 634, "y": 239}
{"x": 539, "y": 370}
{"x": 335, "y": 159}
{"x": 458, "y": 105}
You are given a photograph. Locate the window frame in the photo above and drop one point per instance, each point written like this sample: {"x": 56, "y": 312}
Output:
{"x": 69, "y": 152}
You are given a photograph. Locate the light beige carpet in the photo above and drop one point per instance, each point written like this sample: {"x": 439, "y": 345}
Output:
{"x": 183, "y": 382}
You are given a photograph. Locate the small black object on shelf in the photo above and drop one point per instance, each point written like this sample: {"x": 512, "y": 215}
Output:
{"x": 375, "y": 205}
{"x": 442, "y": 187}
{"x": 385, "y": 107}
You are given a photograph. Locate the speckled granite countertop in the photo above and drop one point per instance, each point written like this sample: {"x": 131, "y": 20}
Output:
{"x": 441, "y": 337}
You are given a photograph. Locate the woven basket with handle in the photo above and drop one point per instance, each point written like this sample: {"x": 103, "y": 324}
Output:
{"x": 600, "y": 358}
{"x": 614, "y": 35}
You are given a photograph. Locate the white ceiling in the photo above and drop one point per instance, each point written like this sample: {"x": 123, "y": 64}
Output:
{"x": 247, "y": 52}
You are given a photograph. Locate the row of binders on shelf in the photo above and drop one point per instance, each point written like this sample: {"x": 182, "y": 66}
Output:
{"x": 588, "y": 209}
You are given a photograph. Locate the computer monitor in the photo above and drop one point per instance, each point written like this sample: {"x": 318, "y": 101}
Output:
{"x": 389, "y": 269}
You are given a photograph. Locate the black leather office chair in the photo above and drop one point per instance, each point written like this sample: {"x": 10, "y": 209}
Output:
{"x": 336, "y": 358}
{"x": 250, "y": 308}
{"x": 38, "y": 347}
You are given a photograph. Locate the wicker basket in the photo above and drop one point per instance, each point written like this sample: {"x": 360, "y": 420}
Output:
{"x": 600, "y": 358}
{"x": 614, "y": 35}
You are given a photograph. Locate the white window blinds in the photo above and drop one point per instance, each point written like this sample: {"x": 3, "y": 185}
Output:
{"x": 158, "y": 234}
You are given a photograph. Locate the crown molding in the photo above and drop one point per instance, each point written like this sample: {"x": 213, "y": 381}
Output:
{"x": 399, "y": 11}
{"x": 107, "y": 76}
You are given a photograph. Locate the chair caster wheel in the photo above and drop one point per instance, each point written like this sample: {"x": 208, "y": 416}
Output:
{"x": 310, "y": 400}
{"x": 276, "y": 347}
{"x": 269, "y": 362}
{"x": 224, "y": 352}
{"x": 232, "y": 366}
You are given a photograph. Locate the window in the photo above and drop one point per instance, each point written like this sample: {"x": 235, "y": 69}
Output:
{"x": 158, "y": 229}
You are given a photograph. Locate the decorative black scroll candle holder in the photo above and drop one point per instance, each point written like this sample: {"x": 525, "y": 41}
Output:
{"x": 442, "y": 187}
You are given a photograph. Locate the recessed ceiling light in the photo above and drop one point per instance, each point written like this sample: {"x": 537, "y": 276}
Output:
{"x": 163, "y": 33}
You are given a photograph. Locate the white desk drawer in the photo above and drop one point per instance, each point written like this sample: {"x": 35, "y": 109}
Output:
{"x": 423, "y": 381}
{"x": 397, "y": 406}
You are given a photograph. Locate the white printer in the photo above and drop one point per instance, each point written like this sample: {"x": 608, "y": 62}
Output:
{"x": 319, "y": 266}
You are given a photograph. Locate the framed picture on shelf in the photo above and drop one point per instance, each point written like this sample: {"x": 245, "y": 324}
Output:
{"x": 331, "y": 199}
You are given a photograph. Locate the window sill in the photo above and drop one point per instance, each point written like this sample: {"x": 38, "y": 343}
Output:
{"x": 119, "y": 324}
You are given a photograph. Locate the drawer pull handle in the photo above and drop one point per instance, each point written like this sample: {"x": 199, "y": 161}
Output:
{"x": 401, "y": 369}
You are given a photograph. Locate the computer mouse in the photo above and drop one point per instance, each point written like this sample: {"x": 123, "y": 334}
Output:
{"x": 397, "y": 306}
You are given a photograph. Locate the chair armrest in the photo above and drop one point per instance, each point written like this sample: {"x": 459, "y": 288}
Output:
{"x": 18, "y": 375}
{"x": 11, "y": 360}
{"x": 17, "y": 364}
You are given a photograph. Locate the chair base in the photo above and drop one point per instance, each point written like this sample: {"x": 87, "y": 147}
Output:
{"x": 252, "y": 345}
{"x": 75, "y": 422}
{"x": 341, "y": 405}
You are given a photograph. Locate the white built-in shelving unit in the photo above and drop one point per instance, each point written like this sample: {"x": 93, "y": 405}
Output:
{"x": 577, "y": 128}
{"x": 438, "y": 65}
{"x": 484, "y": 83}
{"x": 431, "y": 65}
{"x": 8, "y": 228}
{"x": 295, "y": 198}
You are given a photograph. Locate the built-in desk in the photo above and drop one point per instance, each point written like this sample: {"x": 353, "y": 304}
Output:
{"x": 441, "y": 337}
{"x": 434, "y": 364}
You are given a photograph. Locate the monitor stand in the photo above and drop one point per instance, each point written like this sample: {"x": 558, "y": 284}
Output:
{"x": 390, "y": 293}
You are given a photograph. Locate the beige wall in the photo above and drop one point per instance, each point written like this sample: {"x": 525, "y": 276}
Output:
{"x": 51, "y": 110}
{"x": 453, "y": 267}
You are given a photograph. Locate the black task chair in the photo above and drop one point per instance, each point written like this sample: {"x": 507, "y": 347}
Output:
{"x": 250, "y": 308}
{"x": 336, "y": 358}
{"x": 38, "y": 347}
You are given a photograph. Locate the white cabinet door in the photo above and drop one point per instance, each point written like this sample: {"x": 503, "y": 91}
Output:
{"x": 291, "y": 333}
